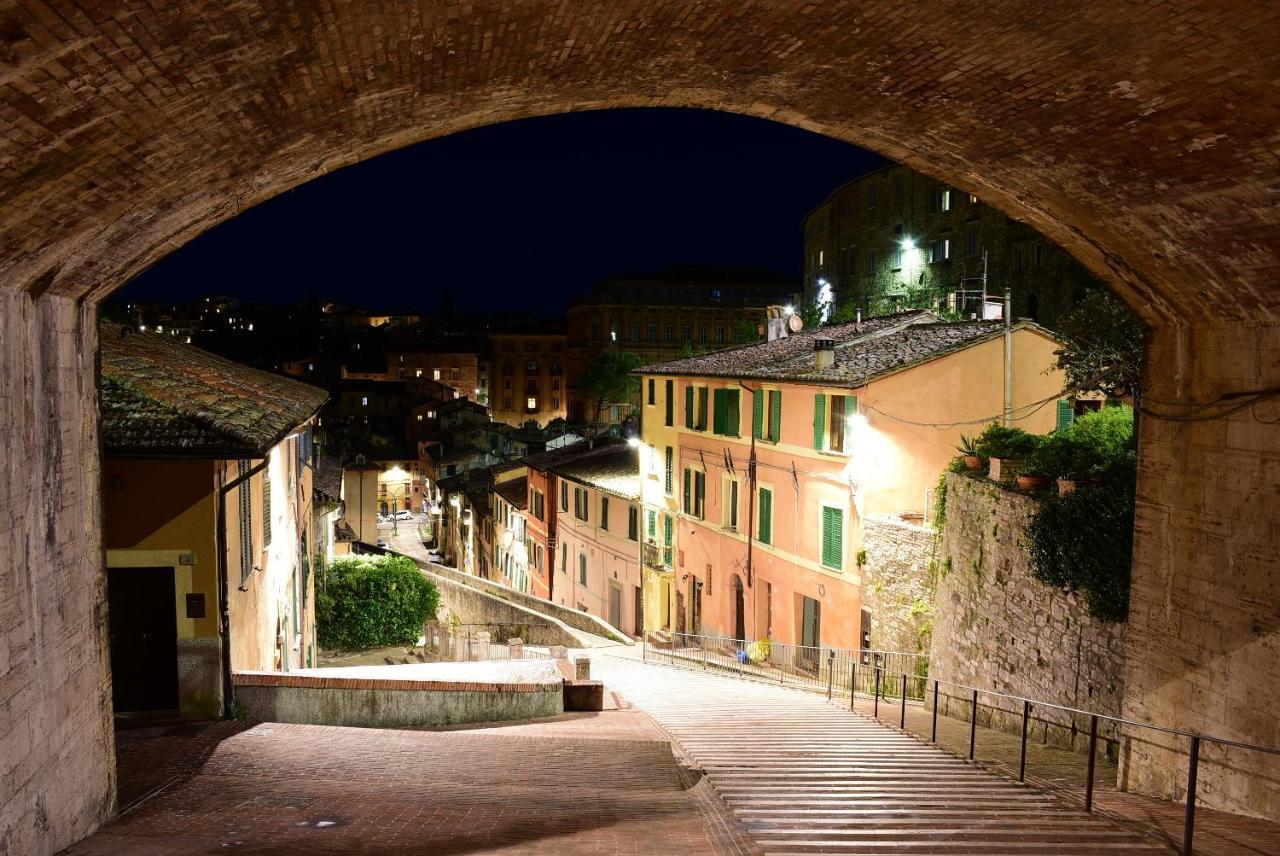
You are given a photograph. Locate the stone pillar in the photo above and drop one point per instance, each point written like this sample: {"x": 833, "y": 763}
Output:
{"x": 582, "y": 668}
{"x": 56, "y": 740}
{"x": 516, "y": 647}
{"x": 1204, "y": 621}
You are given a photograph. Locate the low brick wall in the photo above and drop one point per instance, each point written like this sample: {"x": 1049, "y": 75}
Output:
{"x": 388, "y": 702}
{"x": 998, "y": 627}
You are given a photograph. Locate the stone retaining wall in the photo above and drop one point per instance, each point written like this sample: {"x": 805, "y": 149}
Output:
{"x": 997, "y": 627}
{"x": 896, "y": 587}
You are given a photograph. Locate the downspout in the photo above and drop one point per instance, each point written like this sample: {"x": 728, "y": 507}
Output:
{"x": 751, "y": 509}
{"x": 224, "y": 600}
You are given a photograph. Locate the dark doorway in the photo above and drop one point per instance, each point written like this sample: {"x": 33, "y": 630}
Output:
{"x": 144, "y": 639}
{"x": 864, "y": 634}
{"x": 615, "y": 605}
{"x": 639, "y": 612}
{"x": 739, "y": 609}
{"x": 695, "y": 595}
{"x": 810, "y": 632}
{"x": 680, "y": 621}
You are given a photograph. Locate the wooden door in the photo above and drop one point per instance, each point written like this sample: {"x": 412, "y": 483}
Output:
{"x": 615, "y": 605}
{"x": 144, "y": 639}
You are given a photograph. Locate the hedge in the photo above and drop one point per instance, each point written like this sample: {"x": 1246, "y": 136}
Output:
{"x": 373, "y": 601}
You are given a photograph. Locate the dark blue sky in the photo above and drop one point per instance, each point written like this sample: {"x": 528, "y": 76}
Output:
{"x": 522, "y": 216}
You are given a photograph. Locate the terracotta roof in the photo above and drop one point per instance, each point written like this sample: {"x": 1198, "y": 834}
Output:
{"x": 514, "y": 491}
{"x": 863, "y": 351}
{"x": 614, "y": 468}
{"x": 161, "y": 397}
{"x": 327, "y": 481}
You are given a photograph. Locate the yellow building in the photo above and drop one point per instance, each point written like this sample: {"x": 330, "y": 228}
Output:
{"x": 209, "y": 523}
{"x": 761, "y": 462}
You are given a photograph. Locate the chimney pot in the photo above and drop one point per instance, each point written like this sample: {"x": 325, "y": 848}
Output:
{"x": 824, "y": 353}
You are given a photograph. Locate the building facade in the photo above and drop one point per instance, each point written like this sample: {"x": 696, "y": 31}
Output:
{"x": 662, "y": 315}
{"x": 761, "y": 462}
{"x": 895, "y": 239}
{"x": 208, "y": 510}
{"x": 598, "y": 532}
{"x": 527, "y": 376}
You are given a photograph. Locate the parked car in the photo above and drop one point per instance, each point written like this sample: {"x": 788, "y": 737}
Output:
{"x": 435, "y": 556}
{"x": 404, "y": 515}
{"x": 382, "y": 542}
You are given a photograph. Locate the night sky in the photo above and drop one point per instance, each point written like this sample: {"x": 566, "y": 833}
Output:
{"x": 523, "y": 216}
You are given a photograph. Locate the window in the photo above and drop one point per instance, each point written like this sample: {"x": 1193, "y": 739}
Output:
{"x": 668, "y": 483}
{"x": 613, "y": 331}
{"x": 940, "y": 250}
{"x": 633, "y": 523}
{"x": 364, "y": 401}
{"x": 1037, "y": 255}
{"x": 604, "y": 513}
{"x": 695, "y": 493}
{"x": 669, "y": 391}
{"x": 871, "y": 262}
{"x": 564, "y": 558}
{"x": 580, "y": 500}
{"x": 266, "y": 511}
{"x": 766, "y": 414}
{"x": 635, "y": 331}
{"x": 897, "y": 188}
{"x": 652, "y": 333}
{"x": 246, "y": 526}
{"x": 538, "y": 504}
{"x": 970, "y": 239}
{"x": 417, "y": 372}
{"x": 871, "y": 197}
{"x": 435, "y": 374}
{"x": 829, "y": 422}
{"x": 897, "y": 257}
{"x": 832, "y": 537}
{"x": 670, "y": 333}
{"x": 695, "y": 418}
{"x": 564, "y": 496}
{"x": 531, "y": 403}
{"x": 835, "y": 436}
{"x": 686, "y": 333}
{"x": 653, "y": 386}
{"x": 731, "y": 505}
{"x": 582, "y": 569}
{"x": 702, "y": 335}
{"x": 822, "y": 257}
{"x": 720, "y": 335}
{"x": 727, "y": 417}
{"x": 667, "y": 527}
{"x": 653, "y": 525}
{"x": 765, "y": 534}
{"x": 940, "y": 200}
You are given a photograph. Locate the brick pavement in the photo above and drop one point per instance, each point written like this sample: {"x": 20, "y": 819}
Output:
{"x": 285, "y": 789}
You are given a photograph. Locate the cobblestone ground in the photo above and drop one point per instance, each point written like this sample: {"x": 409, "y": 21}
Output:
{"x": 542, "y": 788}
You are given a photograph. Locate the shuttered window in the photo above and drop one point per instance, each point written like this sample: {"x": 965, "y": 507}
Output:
{"x": 653, "y": 525}
{"x": 819, "y": 421}
{"x": 669, "y": 392}
{"x": 604, "y": 513}
{"x": 700, "y": 494}
{"x": 246, "y": 526}
{"x": 775, "y": 415}
{"x": 766, "y": 516}
{"x": 832, "y": 538}
{"x": 1066, "y": 414}
{"x": 266, "y": 511}
{"x": 633, "y": 523}
{"x": 757, "y": 414}
{"x": 669, "y": 483}
{"x": 835, "y": 437}
{"x": 726, "y": 417}
{"x": 701, "y": 424}
{"x": 688, "y": 407}
{"x": 666, "y": 541}
{"x": 688, "y": 491}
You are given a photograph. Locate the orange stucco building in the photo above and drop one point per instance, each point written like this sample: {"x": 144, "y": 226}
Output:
{"x": 759, "y": 463}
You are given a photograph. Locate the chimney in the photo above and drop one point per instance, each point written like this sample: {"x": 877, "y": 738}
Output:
{"x": 775, "y": 323}
{"x": 824, "y": 353}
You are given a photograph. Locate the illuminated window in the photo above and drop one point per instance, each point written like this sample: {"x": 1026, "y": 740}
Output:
{"x": 419, "y": 417}
{"x": 531, "y": 403}
{"x": 417, "y": 373}
{"x": 821, "y": 256}
{"x": 435, "y": 374}
{"x": 364, "y": 401}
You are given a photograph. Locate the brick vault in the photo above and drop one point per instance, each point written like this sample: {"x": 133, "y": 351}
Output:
{"x": 1142, "y": 137}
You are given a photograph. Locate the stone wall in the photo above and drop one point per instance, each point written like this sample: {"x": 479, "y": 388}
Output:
{"x": 999, "y": 628}
{"x": 896, "y": 585}
{"x": 472, "y": 606}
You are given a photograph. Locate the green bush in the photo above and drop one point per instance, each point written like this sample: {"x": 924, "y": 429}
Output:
{"x": 1097, "y": 444}
{"x": 1083, "y": 542}
{"x": 997, "y": 441}
{"x": 373, "y": 601}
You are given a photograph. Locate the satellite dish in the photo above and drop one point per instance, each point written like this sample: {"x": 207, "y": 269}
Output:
{"x": 795, "y": 323}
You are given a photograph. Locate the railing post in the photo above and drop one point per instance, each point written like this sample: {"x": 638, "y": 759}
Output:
{"x": 973, "y": 726}
{"x": 1093, "y": 752}
{"x": 875, "y": 709}
{"x": 1189, "y": 823}
{"x": 902, "y": 719}
{"x": 933, "y": 734}
{"x": 853, "y": 681}
{"x": 831, "y": 671}
{"x": 1022, "y": 757}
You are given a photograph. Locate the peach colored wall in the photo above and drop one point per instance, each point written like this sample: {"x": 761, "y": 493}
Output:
{"x": 612, "y": 557}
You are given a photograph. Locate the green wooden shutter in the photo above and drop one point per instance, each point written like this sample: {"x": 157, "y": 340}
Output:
{"x": 819, "y": 421}
{"x": 688, "y": 481}
{"x": 700, "y": 493}
{"x": 669, "y": 483}
{"x": 653, "y": 524}
{"x": 733, "y": 413}
{"x": 666, "y": 531}
{"x": 688, "y": 406}
{"x": 720, "y": 399}
{"x": 832, "y": 537}
{"x": 702, "y": 409}
{"x": 757, "y": 414}
{"x": 775, "y": 416}
{"x": 1066, "y": 414}
{"x": 766, "y": 516}
{"x": 669, "y": 390}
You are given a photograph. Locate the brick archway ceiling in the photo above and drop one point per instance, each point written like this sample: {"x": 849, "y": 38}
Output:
{"x": 1142, "y": 137}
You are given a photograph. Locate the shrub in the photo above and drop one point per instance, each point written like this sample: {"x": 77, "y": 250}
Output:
{"x": 373, "y": 601}
{"x": 1083, "y": 541}
{"x": 1104, "y": 440}
{"x": 997, "y": 441}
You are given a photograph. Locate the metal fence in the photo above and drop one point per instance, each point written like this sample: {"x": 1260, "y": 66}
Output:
{"x": 903, "y": 680}
{"x": 823, "y": 669}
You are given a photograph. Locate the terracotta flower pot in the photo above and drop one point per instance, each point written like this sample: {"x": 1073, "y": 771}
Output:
{"x": 1033, "y": 482}
{"x": 1004, "y": 469}
{"x": 973, "y": 462}
{"x": 1066, "y": 486}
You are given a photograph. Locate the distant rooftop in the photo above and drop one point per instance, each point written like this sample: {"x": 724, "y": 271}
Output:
{"x": 614, "y": 468}
{"x": 863, "y": 350}
{"x": 163, "y": 398}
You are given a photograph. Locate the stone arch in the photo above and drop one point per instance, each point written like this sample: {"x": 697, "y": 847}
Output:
{"x": 1141, "y": 138}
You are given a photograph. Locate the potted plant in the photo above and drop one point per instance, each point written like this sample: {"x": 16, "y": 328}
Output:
{"x": 968, "y": 450}
{"x": 1059, "y": 457}
{"x": 1007, "y": 448}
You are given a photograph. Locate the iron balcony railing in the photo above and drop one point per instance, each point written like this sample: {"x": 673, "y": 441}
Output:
{"x": 904, "y": 679}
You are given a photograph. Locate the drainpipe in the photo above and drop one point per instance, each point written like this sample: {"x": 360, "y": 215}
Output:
{"x": 224, "y": 600}
{"x": 1008, "y": 358}
{"x": 751, "y": 512}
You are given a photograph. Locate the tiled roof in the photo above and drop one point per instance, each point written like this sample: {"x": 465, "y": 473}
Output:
{"x": 614, "y": 468}
{"x": 863, "y": 351}
{"x": 327, "y": 480}
{"x": 161, "y": 397}
{"x": 514, "y": 491}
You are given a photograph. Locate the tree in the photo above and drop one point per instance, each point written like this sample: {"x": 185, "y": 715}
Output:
{"x": 1102, "y": 350}
{"x": 607, "y": 379}
{"x": 373, "y": 601}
